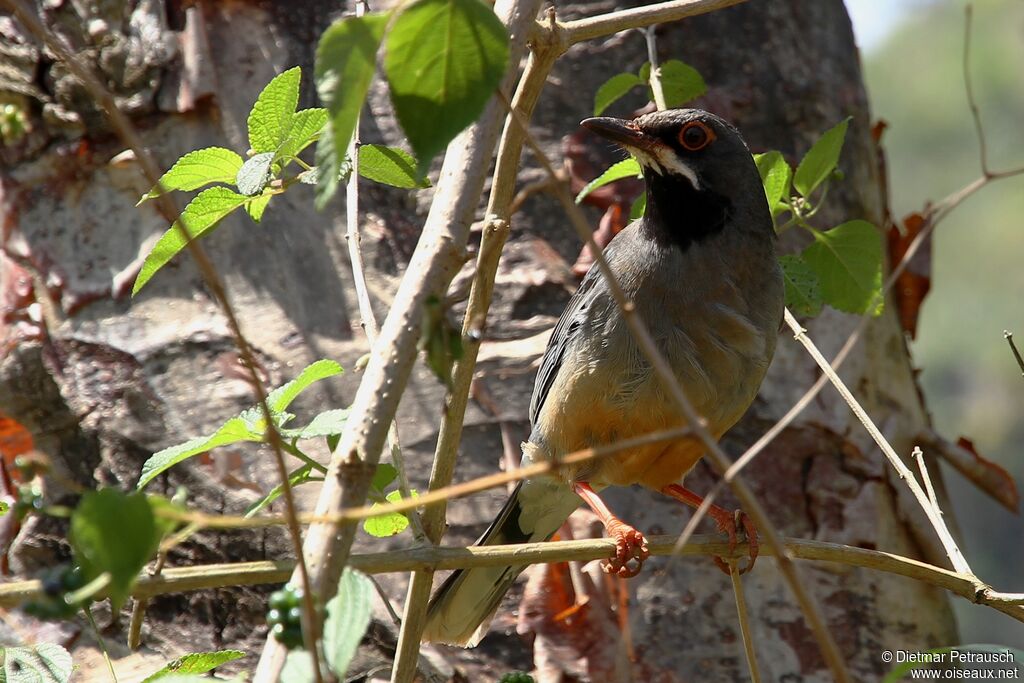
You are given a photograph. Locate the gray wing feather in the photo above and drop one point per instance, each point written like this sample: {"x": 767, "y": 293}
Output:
{"x": 562, "y": 337}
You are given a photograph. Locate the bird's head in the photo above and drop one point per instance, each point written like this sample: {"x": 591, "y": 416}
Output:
{"x": 698, "y": 170}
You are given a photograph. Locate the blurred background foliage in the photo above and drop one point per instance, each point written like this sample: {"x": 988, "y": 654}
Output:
{"x": 912, "y": 53}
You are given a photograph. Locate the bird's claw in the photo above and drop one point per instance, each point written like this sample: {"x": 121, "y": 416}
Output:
{"x": 630, "y": 551}
{"x": 730, "y": 525}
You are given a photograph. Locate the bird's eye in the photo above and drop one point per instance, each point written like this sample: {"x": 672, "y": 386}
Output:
{"x": 696, "y": 136}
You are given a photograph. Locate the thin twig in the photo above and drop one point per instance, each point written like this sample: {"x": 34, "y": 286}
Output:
{"x": 1008, "y": 336}
{"x": 431, "y": 499}
{"x": 744, "y": 620}
{"x": 168, "y": 207}
{"x": 956, "y": 557}
{"x": 139, "y": 608}
{"x": 971, "y": 102}
{"x": 101, "y": 641}
{"x": 638, "y": 17}
{"x": 655, "y": 76}
{"x": 368, "y": 318}
{"x": 714, "y": 452}
{"x": 918, "y": 455}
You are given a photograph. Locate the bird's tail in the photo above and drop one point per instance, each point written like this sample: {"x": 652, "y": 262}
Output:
{"x": 462, "y": 608}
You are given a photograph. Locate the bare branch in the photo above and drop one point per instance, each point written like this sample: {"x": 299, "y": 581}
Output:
{"x": 956, "y": 557}
{"x": 655, "y": 77}
{"x": 638, "y": 17}
{"x": 971, "y": 102}
{"x": 744, "y": 620}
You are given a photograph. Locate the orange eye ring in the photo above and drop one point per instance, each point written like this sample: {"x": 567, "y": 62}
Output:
{"x": 695, "y": 136}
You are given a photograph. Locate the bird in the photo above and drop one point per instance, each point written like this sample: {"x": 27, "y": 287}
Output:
{"x": 701, "y": 271}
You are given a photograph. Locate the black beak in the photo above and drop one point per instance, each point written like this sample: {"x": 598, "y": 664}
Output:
{"x": 625, "y": 133}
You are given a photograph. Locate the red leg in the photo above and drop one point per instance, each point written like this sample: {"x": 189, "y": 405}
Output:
{"x": 727, "y": 522}
{"x": 630, "y": 545}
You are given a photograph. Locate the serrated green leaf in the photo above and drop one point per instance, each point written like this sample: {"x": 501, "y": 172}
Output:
{"x": 613, "y": 89}
{"x": 281, "y": 398}
{"x": 256, "y": 206}
{"x": 195, "y": 663}
{"x": 305, "y": 127}
{"x": 116, "y": 534}
{"x": 271, "y": 115}
{"x": 348, "y": 617}
{"x": 391, "y": 166}
{"x": 327, "y": 423}
{"x": 820, "y": 160}
{"x": 803, "y": 292}
{"x": 680, "y": 83}
{"x": 639, "y": 206}
{"x": 775, "y": 176}
{"x": 255, "y": 174}
{"x": 198, "y": 168}
{"x": 383, "y": 475}
{"x": 44, "y": 663}
{"x": 200, "y": 216}
{"x": 346, "y": 59}
{"x": 627, "y": 168}
{"x": 232, "y": 431}
{"x": 443, "y": 61}
{"x": 848, "y": 262}
{"x": 295, "y": 478}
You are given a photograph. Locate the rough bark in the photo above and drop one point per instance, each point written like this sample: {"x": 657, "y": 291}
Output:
{"x": 111, "y": 381}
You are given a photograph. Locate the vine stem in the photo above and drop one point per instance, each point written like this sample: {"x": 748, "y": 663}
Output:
{"x": 744, "y": 622}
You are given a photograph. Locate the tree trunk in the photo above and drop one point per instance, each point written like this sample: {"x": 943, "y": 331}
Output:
{"x": 105, "y": 383}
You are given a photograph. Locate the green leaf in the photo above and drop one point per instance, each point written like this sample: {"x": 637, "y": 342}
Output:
{"x": 197, "y": 168}
{"x": 255, "y": 174}
{"x": 5, "y": 507}
{"x": 627, "y": 168}
{"x": 232, "y": 431}
{"x": 298, "y": 668}
{"x": 820, "y": 160}
{"x": 281, "y": 398}
{"x": 348, "y": 616}
{"x": 444, "y": 60}
{"x": 256, "y": 206}
{"x": 383, "y": 475}
{"x": 271, "y": 115}
{"x": 803, "y": 291}
{"x": 391, "y": 166}
{"x": 639, "y": 206}
{"x": 346, "y": 58}
{"x": 306, "y": 126}
{"x": 775, "y": 176}
{"x": 44, "y": 663}
{"x": 327, "y": 423}
{"x": 613, "y": 89}
{"x": 196, "y": 663}
{"x": 116, "y": 534}
{"x": 389, "y": 524}
{"x": 202, "y": 213}
{"x": 680, "y": 83}
{"x": 295, "y": 478}
{"x": 848, "y": 262}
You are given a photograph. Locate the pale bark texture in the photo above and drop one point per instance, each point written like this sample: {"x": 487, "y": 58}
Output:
{"x": 105, "y": 381}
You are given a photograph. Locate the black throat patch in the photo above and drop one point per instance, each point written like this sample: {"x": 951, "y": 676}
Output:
{"x": 679, "y": 214}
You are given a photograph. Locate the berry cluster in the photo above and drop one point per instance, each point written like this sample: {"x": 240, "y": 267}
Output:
{"x": 57, "y": 583}
{"x": 285, "y": 616}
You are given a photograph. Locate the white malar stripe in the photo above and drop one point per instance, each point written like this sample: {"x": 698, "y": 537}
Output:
{"x": 665, "y": 160}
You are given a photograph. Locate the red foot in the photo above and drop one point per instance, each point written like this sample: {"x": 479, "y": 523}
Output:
{"x": 727, "y": 522}
{"x": 630, "y": 545}
{"x": 630, "y": 550}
